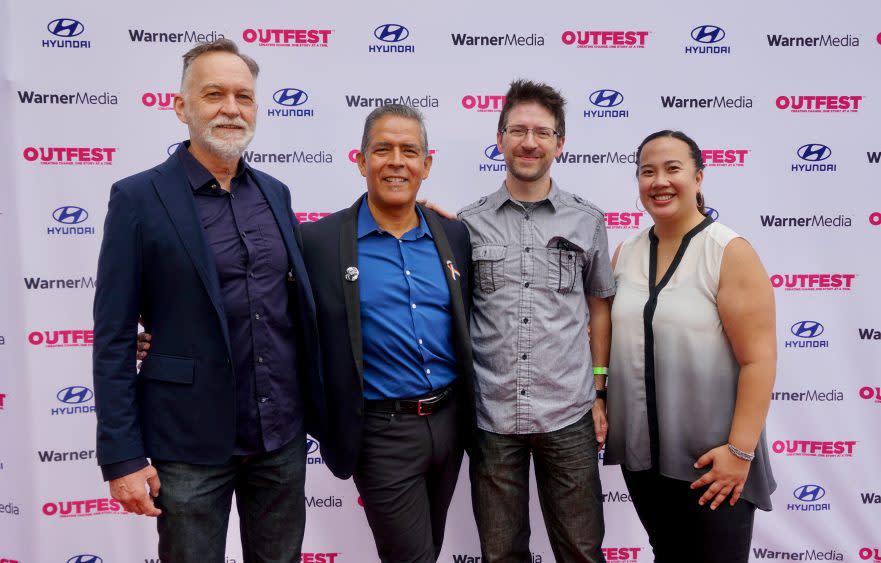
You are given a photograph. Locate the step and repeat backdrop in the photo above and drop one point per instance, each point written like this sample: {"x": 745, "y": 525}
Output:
{"x": 783, "y": 97}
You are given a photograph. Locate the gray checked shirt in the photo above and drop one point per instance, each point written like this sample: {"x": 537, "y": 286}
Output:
{"x": 533, "y": 271}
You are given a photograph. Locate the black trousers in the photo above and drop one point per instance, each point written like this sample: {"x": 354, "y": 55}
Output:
{"x": 406, "y": 474}
{"x": 682, "y": 531}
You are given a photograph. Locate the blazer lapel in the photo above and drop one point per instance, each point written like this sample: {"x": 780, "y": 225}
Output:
{"x": 174, "y": 190}
{"x": 351, "y": 291}
{"x": 452, "y": 275}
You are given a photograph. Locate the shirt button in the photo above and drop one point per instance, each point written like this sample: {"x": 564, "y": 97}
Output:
{"x": 523, "y": 357}
{"x": 407, "y": 272}
{"x": 263, "y": 399}
{"x": 251, "y": 275}
{"x": 526, "y": 217}
{"x": 257, "y": 316}
{"x": 525, "y": 284}
{"x": 428, "y": 372}
{"x": 412, "y": 305}
{"x": 420, "y": 341}
{"x": 527, "y": 249}
{"x": 523, "y": 391}
{"x": 259, "y": 359}
{"x": 525, "y": 321}
{"x": 400, "y": 241}
{"x": 243, "y": 234}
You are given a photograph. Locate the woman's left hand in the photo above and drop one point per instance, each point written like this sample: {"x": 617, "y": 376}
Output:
{"x": 726, "y": 476}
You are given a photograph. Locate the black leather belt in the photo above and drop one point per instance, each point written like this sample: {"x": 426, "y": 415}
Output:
{"x": 422, "y": 406}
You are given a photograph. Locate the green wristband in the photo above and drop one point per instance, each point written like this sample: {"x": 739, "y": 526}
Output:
{"x": 600, "y": 370}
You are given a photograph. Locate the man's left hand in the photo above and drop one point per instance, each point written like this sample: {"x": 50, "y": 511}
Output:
{"x": 600, "y": 424}
{"x": 726, "y": 477}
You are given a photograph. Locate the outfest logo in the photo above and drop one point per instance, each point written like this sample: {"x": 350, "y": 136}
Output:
{"x": 623, "y": 219}
{"x": 158, "y": 100}
{"x": 814, "y": 448}
{"x": 83, "y": 156}
{"x": 62, "y": 338}
{"x": 589, "y": 39}
{"x": 819, "y": 104}
{"x": 724, "y": 157}
{"x": 813, "y": 282}
{"x": 287, "y": 37}
{"x": 483, "y": 103}
{"x": 79, "y": 508}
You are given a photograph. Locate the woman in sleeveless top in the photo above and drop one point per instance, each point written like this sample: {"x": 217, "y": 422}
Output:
{"x": 692, "y": 367}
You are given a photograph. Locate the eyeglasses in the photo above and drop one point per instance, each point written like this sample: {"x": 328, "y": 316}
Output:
{"x": 520, "y": 132}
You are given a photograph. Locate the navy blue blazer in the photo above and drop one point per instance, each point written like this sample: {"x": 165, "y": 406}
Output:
{"x": 155, "y": 263}
{"x": 330, "y": 246}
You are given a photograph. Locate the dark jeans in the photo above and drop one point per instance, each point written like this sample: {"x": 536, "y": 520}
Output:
{"x": 682, "y": 531}
{"x": 196, "y": 500}
{"x": 568, "y": 482}
{"x": 406, "y": 474}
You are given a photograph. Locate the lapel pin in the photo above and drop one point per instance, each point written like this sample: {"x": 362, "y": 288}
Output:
{"x": 351, "y": 273}
{"x": 453, "y": 271}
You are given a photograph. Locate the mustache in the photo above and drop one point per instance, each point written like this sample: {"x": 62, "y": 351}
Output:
{"x": 223, "y": 121}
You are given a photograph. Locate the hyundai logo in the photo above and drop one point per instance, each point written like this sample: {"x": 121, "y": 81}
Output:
{"x": 809, "y": 493}
{"x": 814, "y": 152}
{"x": 391, "y": 33}
{"x": 606, "y": 98}
{"x": 712, "y": 213}
{"x": 75, "y": 395}
{"x": 85, "y": 559}
{"x": 708, "y": 34}
{"x": 65, "y": 27}
{"x": 290, "y": 97}
{"x": 172, "y": 148}
{"x": 311, "y": 446}
{"x": 492, "y": 152}
{"x": 70, "y": 215}
{"x": 807, "y": 329}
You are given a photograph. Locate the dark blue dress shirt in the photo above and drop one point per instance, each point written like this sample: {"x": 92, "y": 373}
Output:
{"x": 252, "y": 266}
{"x": 406, "y": 320}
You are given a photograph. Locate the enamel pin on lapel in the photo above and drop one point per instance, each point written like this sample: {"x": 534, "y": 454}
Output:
{"x": 351, "y": 273}
{"x": 454, "y": 273}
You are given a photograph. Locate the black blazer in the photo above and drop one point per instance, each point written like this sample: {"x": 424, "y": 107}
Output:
{"x": 330, "y": 246}
{"x": 155, "y": 262}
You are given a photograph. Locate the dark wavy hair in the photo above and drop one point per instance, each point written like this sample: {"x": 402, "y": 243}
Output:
{"x": 693, "y": 149}
{"x": 522, "y": 91}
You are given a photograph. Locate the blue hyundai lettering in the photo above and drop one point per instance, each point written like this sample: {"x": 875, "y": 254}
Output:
{"x": 814, "y": 152}
{"x": 809, "y": 493}
{"x": 65, "y": 27}
{"x": 712, "y": 213}
{"x": 75, "y": 394}
{"x": 290, "y": 97}
{"x": 311, "y": 446}
{"x": 807, "y": 329}
{"x": 708, "y": 34}
{"x": 492, "y": 152}
{"x": 70, "y": 215}
{"x": 606, "y": 98}
{"x": 391, "y": 33}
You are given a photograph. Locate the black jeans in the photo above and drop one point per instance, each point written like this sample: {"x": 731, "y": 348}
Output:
{"x": 406, "y": 474}
{"x": 568, "y": 482}
{"x": 682, "y": 531}
{"x": 196, "y": 500}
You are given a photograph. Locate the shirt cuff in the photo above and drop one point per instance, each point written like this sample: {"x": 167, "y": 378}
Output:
{"x": 122, "y": 468}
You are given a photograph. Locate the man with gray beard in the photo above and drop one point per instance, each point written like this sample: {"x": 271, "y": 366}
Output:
{"x": 204, "y": 248}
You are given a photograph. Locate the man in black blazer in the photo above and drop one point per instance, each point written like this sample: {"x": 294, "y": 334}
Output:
{"x": 204, "y": 248}
{"x": 391, "y": 286}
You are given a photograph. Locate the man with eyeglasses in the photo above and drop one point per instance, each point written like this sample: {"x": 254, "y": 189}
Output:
{"x": 542, "y": 275}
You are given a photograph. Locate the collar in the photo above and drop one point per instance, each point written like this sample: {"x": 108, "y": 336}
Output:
{"x": 368, "y": 225}
{"x": 502, "y": 196}
{"x": 196, "y": 173}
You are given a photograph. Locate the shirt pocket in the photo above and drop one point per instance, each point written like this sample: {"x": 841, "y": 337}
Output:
{"x": 489, "y": 266}
{"x": 270, "y": 247}
{"x": 564, "y": 265}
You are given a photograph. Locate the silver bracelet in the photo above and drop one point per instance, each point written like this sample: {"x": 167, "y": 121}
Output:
{"x": 745, "y": 456}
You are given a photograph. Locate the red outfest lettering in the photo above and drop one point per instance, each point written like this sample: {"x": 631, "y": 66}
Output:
{"x": 621, "y": 553}
{"x": 620, "y": 219}
{"x": 819, "y": 103}
{"x": 724, "y": 157}
{"x": 840, "y": 448}
{"x": 870, "y": 553}
{"x": 69, "y": 155}
{"x": 318, "y": 557}
{"x": 871, "y": 393}
{"x": 162, "y": 100}
{"x": 89, "y": 507}
{"x": 875, "y": 218}
{"x": 808, "y": 282}
{"x": 287, "y": 36}
{"x": 483, "y": 103}
{"x": 605, "y": 39}
{"x": 304, "y": 217}
{"x": 62, "y": 337}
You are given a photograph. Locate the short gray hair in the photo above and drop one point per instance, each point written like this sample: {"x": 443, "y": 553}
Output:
{"x": 222, "y": 45}
{"x": 399, "y": 110}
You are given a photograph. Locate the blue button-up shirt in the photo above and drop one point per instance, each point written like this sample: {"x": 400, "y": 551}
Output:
{"x": 406, "y": 319}
{"x": 252, "y": 266}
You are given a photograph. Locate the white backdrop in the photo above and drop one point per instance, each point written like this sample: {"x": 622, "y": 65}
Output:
{"x": 99, "y": 84}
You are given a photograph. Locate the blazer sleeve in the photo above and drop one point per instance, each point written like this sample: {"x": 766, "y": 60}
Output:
{"x": 116, "y": 309}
